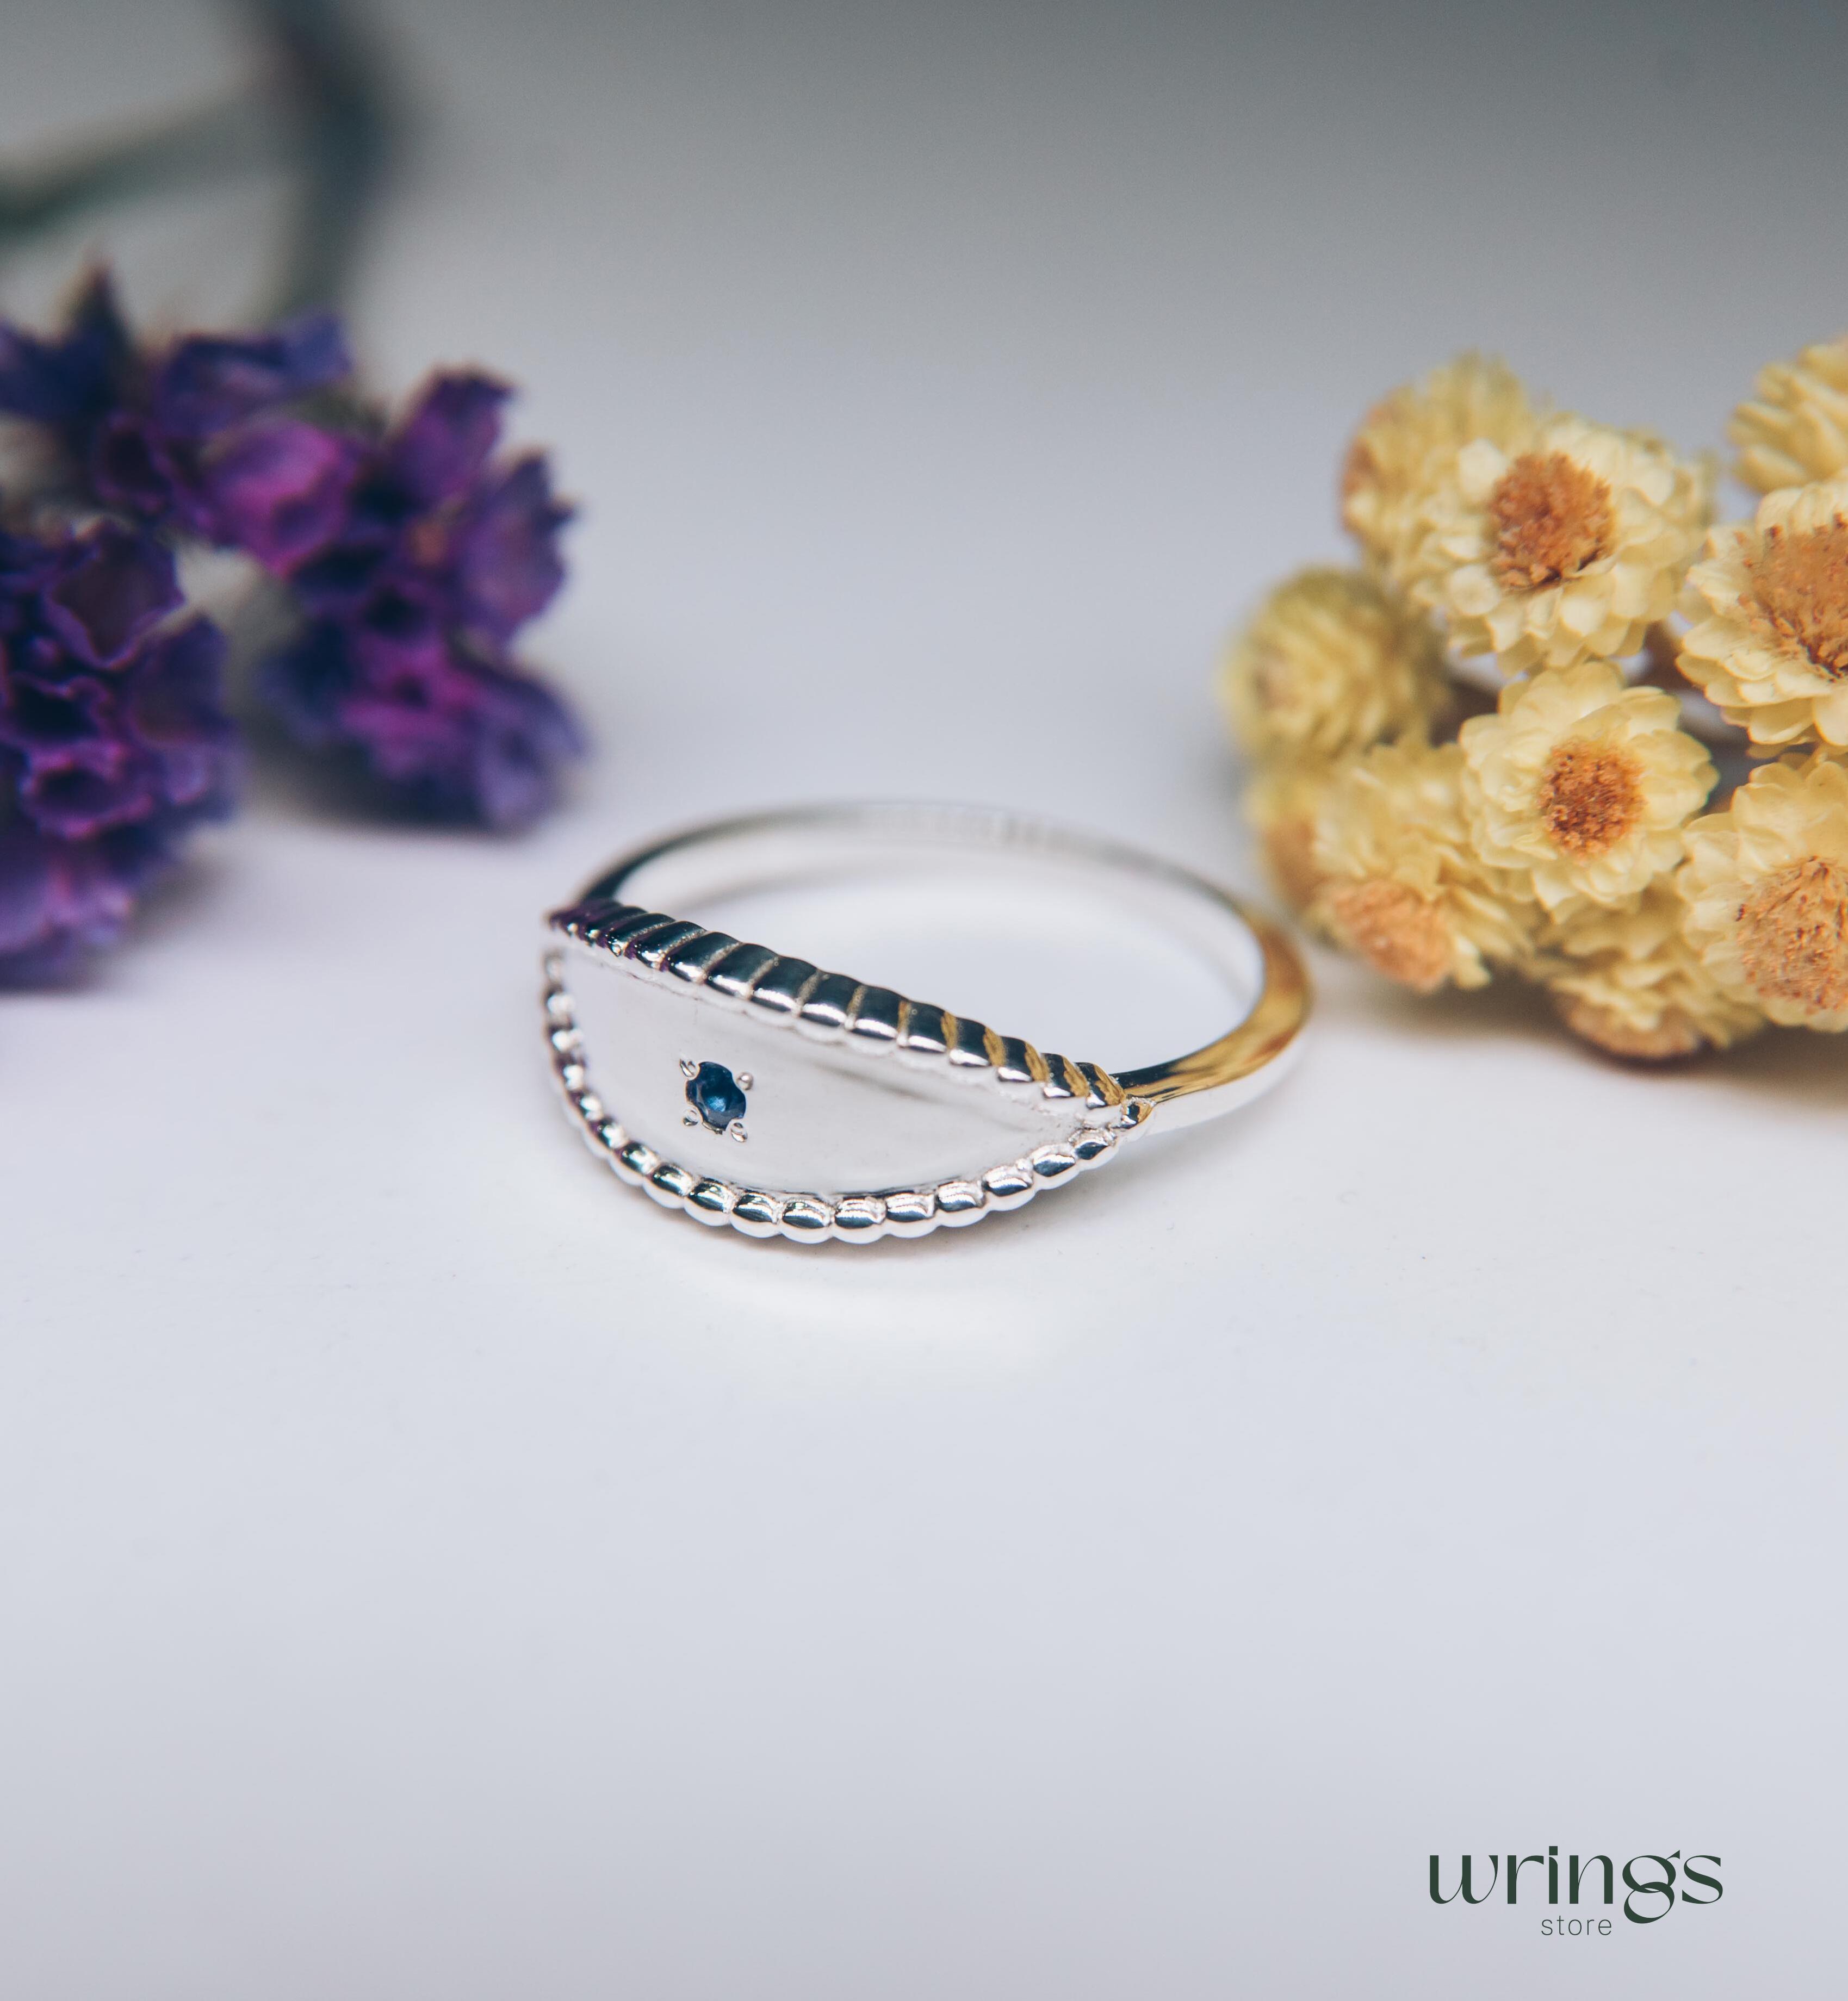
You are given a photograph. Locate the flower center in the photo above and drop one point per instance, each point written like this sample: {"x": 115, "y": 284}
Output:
{"x": 1397, "y": 930}
{"x": 1590, "y": 795}
{"x": 1794, "y": 930}
{"x": 1552, "y": 519}
{"x": 1801, "y": 583}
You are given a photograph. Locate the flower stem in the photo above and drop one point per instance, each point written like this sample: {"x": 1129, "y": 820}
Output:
{"x": 319, "y": 100}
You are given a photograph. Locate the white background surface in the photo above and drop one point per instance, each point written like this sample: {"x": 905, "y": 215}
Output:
{"x": 427, "y": 1570}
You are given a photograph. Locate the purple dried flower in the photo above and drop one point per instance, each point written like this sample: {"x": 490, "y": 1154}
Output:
{"x": 210, "y": 382}
{"x": 278, "y": 491}
{"x": 441, "y": 557}
{"x": 447, "y": 438}
{"x": 171, "y": 704}
{"x": 86, "y": 787}
{"x": 111, "y": 586}
{"x": 142, "y": 432}
{"x": 414, "y": 557}
{"x": 59, "y": 899}
{"x": 503, "y": 552}
{"x": 455, "y": 738}
{"x": 70, "y": 383}
{"x": 112, "y": 738}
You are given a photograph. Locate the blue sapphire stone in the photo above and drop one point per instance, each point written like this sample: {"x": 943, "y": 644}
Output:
{"x": 713, "y": 1093}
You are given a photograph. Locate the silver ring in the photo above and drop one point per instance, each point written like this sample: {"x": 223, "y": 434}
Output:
{"x": 744, "y": 1088}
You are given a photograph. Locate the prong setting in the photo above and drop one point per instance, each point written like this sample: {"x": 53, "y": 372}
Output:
{"x": 716, "y": 1097}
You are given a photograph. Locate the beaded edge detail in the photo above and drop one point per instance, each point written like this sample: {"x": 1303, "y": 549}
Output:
{"x": 812, "y": 1218}
{"x": 829, "y": 1006}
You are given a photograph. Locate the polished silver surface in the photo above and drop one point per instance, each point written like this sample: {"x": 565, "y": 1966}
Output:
{"x": 847, "y": 1113}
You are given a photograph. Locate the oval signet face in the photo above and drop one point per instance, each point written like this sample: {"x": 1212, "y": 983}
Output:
{"x": 742, "y": 1065}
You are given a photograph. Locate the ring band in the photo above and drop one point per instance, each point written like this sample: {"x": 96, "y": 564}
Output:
{"x": 760, "y": 1091}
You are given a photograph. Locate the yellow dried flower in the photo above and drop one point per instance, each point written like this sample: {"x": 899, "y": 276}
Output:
{"x": 1332, "y": 662}
{"x": 1769, "y": 647}
{"x": 1409, "y": 442}
{"x": 1282, "y": 805}
{"x": 1566, "y": 550}
{"x": 1795, "y": 429}
{"x": 1402, "y": 886}
{"x": 1583, "y": 782}
{"x": 1766, "y": 887}
{"x": 1628, "y": 980}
